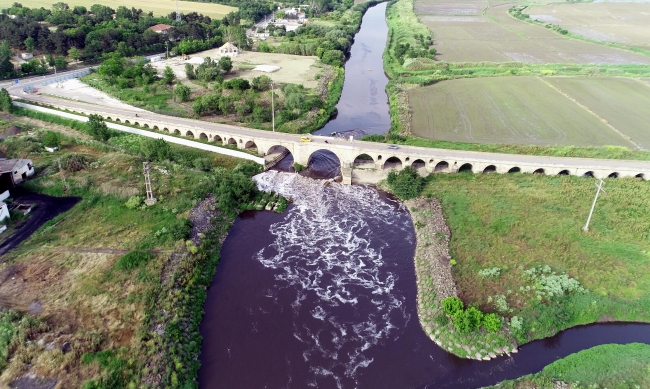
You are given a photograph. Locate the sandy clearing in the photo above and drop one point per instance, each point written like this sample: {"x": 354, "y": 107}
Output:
{"x": 76, "y": 90}
{"x": 295, "y": 69}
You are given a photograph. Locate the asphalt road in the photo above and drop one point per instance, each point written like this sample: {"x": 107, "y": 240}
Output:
{"x": 420, "y": 152}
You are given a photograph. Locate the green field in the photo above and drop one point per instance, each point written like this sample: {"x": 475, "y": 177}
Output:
{"x": 552, "y": 111}
{"x": 517, "y": 222}
{"x": 606, "y": 366}
{"x": 474, "y": 31}
{"x": 159, "y": 7}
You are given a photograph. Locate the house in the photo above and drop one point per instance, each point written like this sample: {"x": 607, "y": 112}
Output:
{"x": 228, "y": 50}
{"x": 26, "y": 55}
{"x": 161, "y": 28}
{"x": 15, "y": 171}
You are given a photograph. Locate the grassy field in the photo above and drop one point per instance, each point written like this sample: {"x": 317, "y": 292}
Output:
{"x": 606, "y": 366}
{"x": 624, "y": 23}
{"x": 559, "y": 111}
{"x": 159, "y": 7}
{"x": 74, "y": 267}
{"x": 518, "y": 222}
{"x": 463, "y": 32}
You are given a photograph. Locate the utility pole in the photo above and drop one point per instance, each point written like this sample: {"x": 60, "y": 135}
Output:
{"x": 178, "y": 13}
{"x": 272, "y": 107}
{"x": 600, "y": 188}
{"x": 147, "y": 185}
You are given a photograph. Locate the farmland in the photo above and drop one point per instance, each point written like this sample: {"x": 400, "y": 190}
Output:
{"x": 624, "y": 23}
{"x": 159, "y": 7}
{"x": 559, "y": 111}
{"x": 465, "y": 32}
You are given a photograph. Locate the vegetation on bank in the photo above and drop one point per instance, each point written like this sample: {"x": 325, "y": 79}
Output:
{"x": 606, "y": 366}
{"x": 139, "y": 265}
{"x": 525, "y": 257}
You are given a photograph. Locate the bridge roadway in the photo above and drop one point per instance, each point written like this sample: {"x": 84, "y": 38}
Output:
{"x": 378, "y": 159}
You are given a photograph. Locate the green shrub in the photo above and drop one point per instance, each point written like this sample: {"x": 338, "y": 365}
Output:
{"x": 75, "y": 162}
{"x": 298, "y": 167}
{"x": 406, "y": 184}
{"x": 134, "y": 202}
{"x": 51, "y": 139}
{"x": 491, "y": 322}
{"x": 452, "y": 305}
{"x": 181, "y": 230}
{"x": 133, "y": 260}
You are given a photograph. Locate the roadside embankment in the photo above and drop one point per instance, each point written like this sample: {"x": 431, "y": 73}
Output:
{"x": 435, "y": 282}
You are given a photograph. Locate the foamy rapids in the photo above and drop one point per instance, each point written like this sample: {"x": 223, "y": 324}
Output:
{"x": 326, "y": 251}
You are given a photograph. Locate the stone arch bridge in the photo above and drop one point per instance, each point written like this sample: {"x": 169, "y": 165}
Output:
{"x": 361, "y": 162}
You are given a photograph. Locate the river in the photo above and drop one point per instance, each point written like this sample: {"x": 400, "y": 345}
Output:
{"x": 324, "y": 296}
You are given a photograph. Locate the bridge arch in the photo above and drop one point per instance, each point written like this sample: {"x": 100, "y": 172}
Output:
{"x": 563, "y": 173}
{"x": 442, "y": 166}
{"x": 117, "y": 120}
{"x": 203, "y": 136}
{"x": 217, "y": 138}
{"x": 613, "y": 175}
{"x": 108, "y": 118}
{"x": 515, "y": 169}
{"x": 165, "y": 129}
{"x": 127, "y": 122}
{"x": 589, "y": 174}
{"x": 136, "y": 124}
{"x": 640, "y": 175}
{"x": 418, "y": 164}
{"x": 393, "y": 163}
{"x": 189, "y": 133}
{"x": 539, "y": 171}
{"x": 145, "y": 125}
{"x": 250, "y": 145}
{"x": 155, "y": 128}
{"x": 466, "y": 167}
{"x": 177, "y": 131}
{"x": 324, "y": 163}
{"x": 364, "y": 161}
{"x": 231, "y": 141}
{"x": 490, "y": 169}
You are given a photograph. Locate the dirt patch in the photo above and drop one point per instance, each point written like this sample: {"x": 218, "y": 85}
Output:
{"x": 31, "y": 381}
{"x": 294, "y": 69}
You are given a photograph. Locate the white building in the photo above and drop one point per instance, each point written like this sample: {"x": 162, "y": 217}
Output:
{"x": 26, "y": 55}
{"x": 15, "y": 171}
{"x": 228, "y": 50}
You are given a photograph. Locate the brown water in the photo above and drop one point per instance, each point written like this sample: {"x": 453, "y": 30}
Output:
{"x": 324, "y": 296}
{"x": 363, "y": 107}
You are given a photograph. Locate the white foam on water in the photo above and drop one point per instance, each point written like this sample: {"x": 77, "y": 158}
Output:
{"x": 326, "y": 251}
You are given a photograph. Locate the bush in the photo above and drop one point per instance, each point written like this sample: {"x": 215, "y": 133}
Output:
{"x": 237, "y": 84}
{"x": 452, "y": 305}
{"x": 262, "y": 83}
{"x": 51, "y": 139}
{"x": 133, "y": 260}
{"x": 298, "y": 167}
{"x": 491, "y": 322}
{"x": 134, "y": 202}
{"x": 182, "y": 92}
{"x": 181, "y": 230}
{"x": 97, "y": 128}
{"x": 204, "y": 164}
{"x": 406, "y": 184}
{"x": 156, "y": 149}
{"x": 75, "y": 162}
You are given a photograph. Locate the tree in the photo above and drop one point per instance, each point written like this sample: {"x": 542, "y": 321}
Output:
{"x": 182, "y": 92}
{"x": 112, "y": 67}
{"x": 156, "y": 149}
{"x": 98, "y": 129}
{"x": 5, "y": 101}
{"x": 225, "y": 64}
{"x": 189, "y": 71}
{"x": 6, "y": 67}
{"x": 74, "y": 53}
{"x": 262, "y": 83}
{"x": 168, "y": 75}
{"x": 406, "y": 184}
{"x": 30, "y": 43}
{"x": 60, "y": 63}
{"x": 51, "y": 139}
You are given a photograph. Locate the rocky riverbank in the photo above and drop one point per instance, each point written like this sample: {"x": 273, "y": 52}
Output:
{"x": 435, "y": 282}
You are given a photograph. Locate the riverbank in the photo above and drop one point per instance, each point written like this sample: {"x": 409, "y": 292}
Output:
{"x": 435, "y": 282}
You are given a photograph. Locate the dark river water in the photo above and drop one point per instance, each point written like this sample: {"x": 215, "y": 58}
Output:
{"x": 363, "y": 107}
{"x": 324, "y": 295}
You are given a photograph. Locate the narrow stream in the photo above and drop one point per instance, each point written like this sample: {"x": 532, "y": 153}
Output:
{"x": 324, "y": 295}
